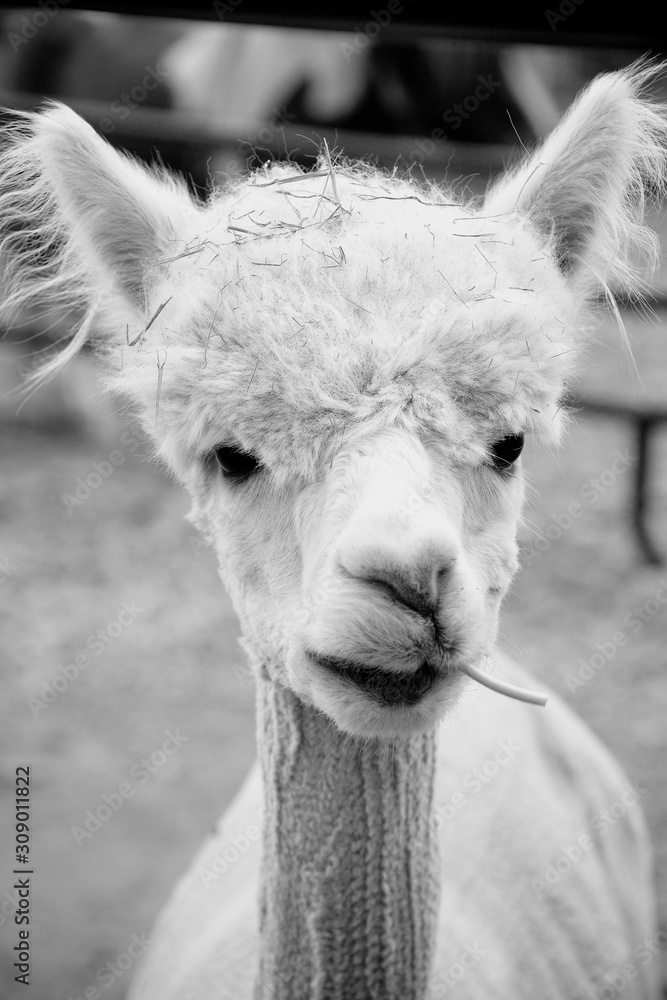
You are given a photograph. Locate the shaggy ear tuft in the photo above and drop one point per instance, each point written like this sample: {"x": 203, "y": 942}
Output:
{"x": 75, "y": 213}
{"x": 588, "y": 185}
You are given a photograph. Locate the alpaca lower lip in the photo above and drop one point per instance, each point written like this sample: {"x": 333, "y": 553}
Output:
{"x": 385, "y": 686}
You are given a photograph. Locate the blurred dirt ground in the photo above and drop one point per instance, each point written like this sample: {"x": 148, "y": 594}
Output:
{"x": 177, "y": 668}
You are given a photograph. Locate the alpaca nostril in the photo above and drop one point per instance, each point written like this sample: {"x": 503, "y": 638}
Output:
{"x": 404, "y": 593}
{"x": 419, "y": 592}
{"x": 413, "y": 572}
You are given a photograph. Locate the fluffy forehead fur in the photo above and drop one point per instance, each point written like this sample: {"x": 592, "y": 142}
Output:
{"x": 301, "y": 307}
{"x": 296, "y": 309}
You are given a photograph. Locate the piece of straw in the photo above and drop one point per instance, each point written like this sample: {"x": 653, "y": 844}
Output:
{"x": 503, "y": 687}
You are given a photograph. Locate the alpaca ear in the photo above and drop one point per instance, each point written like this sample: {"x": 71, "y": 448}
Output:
{"x": 113, "y": 214}
{"x": 587, "y": 186}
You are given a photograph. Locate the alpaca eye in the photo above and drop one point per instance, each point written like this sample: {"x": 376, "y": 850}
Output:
{"x": 506, "y": 451}
{"x": 235, "y": 464}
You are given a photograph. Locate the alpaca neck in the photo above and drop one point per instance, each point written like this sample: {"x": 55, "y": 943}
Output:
{"x": 350, "y": 875}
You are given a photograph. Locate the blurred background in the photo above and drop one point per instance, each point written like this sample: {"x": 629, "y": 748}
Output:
{"x": 91, "y": 529}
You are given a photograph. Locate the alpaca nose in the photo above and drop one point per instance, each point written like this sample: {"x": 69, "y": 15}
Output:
{"x": 417, "y": 588}
{"x": 413, "y": 575}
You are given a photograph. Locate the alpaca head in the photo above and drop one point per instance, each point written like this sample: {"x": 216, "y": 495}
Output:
{"x": 341, "y": 367}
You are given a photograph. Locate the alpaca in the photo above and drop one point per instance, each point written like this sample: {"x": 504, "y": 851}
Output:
{"x": 341, "y": 365}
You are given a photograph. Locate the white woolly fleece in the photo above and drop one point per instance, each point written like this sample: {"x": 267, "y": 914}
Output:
{"x": 372, "y": 345}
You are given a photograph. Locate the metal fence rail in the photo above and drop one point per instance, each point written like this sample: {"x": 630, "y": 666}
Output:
{"x": 561, "y": 22}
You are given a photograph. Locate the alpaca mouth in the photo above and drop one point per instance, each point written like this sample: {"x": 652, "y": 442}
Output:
{"x": 384, "y": 686}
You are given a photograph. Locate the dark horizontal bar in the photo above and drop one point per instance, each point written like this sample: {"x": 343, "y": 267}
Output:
{"x": 640, "y": 413}
{"x": 578, "y": 23}
{"x": 147, "y": 127}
